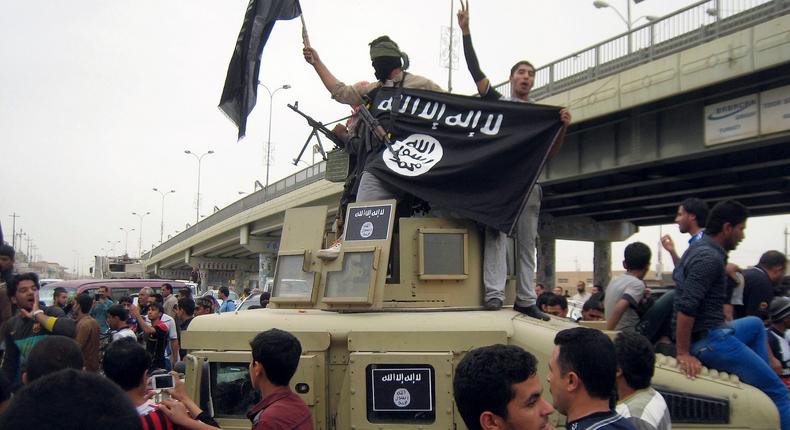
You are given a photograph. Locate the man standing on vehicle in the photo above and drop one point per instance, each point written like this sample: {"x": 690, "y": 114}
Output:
{"x": 522, "y": 78}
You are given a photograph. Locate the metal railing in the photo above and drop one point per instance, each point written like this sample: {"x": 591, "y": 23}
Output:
{"x": 298, "y": 180}
{"x": 691, "y": 26}
{"x": 680, "y": 30}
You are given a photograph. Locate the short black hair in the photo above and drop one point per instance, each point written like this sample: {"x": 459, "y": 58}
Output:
{"x": 521, "y": 63}
{"x": 157, "y": 305}
{"x": 84, "y": 302}
{"x": 278, "y": 352}
{"x": 51, "y": 354}
{"x": 557, "y": 300}
{"x": 118, "y": 311}
{"x": 543, "y": 298}
{"x": 203, "y": 302}
{"x": 698, "y": 208}
{"x": 637, "y": 256}
{"x": 12, "y": 286}
{"x": 158, "y": 298}
{"x": 71, "y": 399}
{"x": 577, "y": 345}
{"x": 771, "y": 259}
{"x": 636, "y": 358}
{"x": 7, "y": 251}
{"x": 485, "y": 377}
{"x": 594, "y": 302}
{"x": 728, "y": 211}
{"x": 264, "y": 299}
{"x": 125, "y": 363}
{"x": 247, "y": 291}
{"x": 225, "y": 291}
{"x": 168, "y": 286}
{"x": 187, "y": 305}
{"x": 58, "y": 290}
{"x": 125, "y": 299}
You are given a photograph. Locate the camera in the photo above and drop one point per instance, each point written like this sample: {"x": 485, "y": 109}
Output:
{"x": 159, "y": 382}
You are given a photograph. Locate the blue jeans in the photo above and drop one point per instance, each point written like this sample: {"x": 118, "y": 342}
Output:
{"x": 741, "y": 348}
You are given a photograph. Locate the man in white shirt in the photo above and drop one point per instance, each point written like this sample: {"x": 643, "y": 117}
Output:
{"x": 117, "y": 317}
{"x": 582, "y": 295}
{"x": 626, "y": 291}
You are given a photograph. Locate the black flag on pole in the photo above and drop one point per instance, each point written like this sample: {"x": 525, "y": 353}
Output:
{"x": 475, "y": 157}
{"x": 241, "y": 84}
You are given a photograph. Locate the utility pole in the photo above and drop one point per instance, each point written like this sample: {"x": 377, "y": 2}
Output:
{"x": 450, "y": 55}
{"x": 28, "y": 239}
{"x": 14, "y": 216}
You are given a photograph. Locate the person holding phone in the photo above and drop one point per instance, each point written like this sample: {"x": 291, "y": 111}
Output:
{"x": 126, "y": 363}
{"x": 155, "y": 334}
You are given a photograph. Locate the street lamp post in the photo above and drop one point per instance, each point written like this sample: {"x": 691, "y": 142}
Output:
{"x": 269, "y": 139}
{"x": 111, "y": 244}
{"x": 162, "y": 222}
{"x": 126, "y": 232}
{"x": 140, "y": 240}
{"x": 600, "y": 4}
{"x": 199, "y": 159}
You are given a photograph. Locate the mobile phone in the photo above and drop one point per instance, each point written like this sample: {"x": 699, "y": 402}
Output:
{"x": 159, "y": 382}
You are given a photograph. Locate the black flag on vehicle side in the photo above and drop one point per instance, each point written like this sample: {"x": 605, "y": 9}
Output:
{"x": 475, "y": 157}
{"x": 241, "y": 83}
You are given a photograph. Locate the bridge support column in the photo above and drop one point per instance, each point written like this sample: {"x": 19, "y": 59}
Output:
{"x": 602, "y": 263}
{"x": 547, "y": 248}
{"x": 265, "y": 268}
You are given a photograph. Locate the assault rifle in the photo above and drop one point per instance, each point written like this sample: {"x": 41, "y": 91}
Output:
{"x": 375, "y": 126}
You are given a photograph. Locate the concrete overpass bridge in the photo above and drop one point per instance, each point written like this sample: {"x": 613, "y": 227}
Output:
{"x": 695, "y": 104}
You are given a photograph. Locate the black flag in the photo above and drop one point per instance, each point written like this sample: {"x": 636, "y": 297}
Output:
{"x": 241, "y": 84}
{"x": 476, "y": 157}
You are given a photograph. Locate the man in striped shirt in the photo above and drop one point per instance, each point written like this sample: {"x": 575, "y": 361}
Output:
{"x": 637, "y": 401}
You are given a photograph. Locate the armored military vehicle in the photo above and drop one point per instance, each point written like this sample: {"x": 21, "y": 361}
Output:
{"x": 381, "y": 334}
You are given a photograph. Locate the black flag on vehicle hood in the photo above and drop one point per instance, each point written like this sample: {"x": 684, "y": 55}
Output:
{"x": 475, "y": 157}
{"x": 241, "y": 84}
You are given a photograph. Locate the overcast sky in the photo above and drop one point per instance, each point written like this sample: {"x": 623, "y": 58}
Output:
{"x": 99, "y": 99}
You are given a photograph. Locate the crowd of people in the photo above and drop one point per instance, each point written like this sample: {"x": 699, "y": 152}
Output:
{"x": 93, "y": 358}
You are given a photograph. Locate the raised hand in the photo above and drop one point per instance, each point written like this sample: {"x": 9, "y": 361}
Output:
{"x": 463, "y": 17}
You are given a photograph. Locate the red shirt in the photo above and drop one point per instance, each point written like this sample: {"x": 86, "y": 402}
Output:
{"x": 281, "y": 410}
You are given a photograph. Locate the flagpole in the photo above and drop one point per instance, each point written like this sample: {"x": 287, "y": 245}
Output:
{"x": 305, "y": 37}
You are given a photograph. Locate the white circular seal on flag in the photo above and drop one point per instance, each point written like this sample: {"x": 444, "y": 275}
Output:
{"x": 367, "y": 229}
{"x": 416, "y": 155}
{"x": 401, "y": 398}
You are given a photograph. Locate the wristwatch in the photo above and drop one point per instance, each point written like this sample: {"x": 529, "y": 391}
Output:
{"x": 35, "y": 313}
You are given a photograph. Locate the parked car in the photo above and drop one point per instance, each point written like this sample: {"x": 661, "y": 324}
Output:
{"x": 117, "y": 287}
{"x": 251, "y": 300}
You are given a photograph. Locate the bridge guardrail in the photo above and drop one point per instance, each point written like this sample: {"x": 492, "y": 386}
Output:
{"x": 682, "y": 29}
